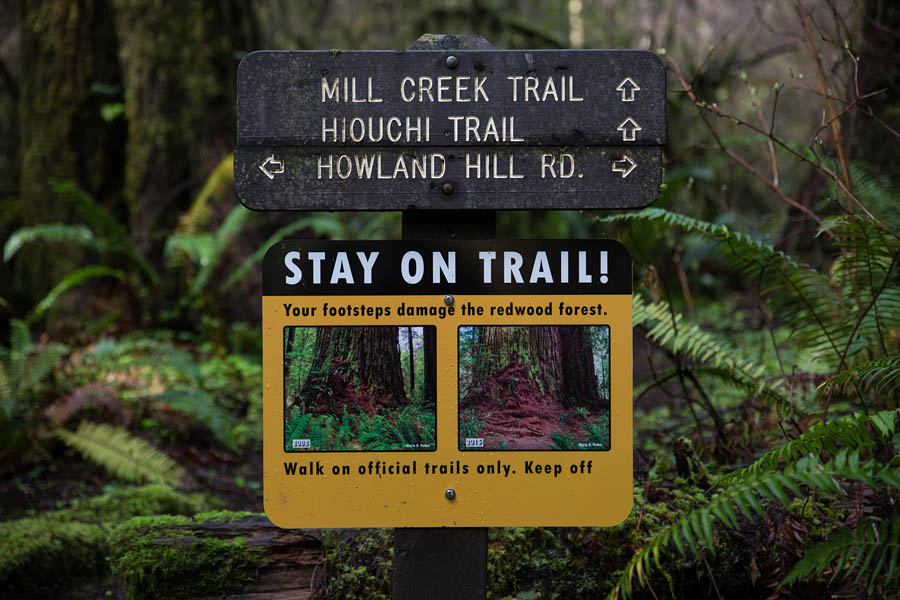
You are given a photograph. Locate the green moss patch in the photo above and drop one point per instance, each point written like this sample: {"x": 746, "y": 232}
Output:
{"x": 41, "y": 558}
{"x": 119, "y": 505}
{"x": 161, "y": 557}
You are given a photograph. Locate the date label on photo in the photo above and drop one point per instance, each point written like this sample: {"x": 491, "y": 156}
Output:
{"x": 299, "y": 444}
{"x": 474, "y": 442}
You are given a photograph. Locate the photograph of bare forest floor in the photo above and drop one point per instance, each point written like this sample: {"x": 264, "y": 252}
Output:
{"x": 359, "y": 388}
{"x": 534, "y": 388}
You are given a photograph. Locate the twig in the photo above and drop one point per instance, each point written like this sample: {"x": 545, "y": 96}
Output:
{"x": 823, "y": 83}
{"x": 713, "y": 108}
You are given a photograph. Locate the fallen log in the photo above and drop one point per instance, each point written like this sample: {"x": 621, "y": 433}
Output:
{"x": 239, "y": 556}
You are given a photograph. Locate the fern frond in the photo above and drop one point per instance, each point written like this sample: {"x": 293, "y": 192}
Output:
{"x": 878, "y": 192}
{"x": 703, "y": 347}
{"x": 40, "y": 364}
{"x": 93, "y": 394}
{"x": 818, "y": 312}
{"x": 7, "y": 397}
{"x": 319, "y": 224}
{"x": 20, "y": 344}
{"x": 70, "y": 281}
{"x": 201, "y": 405}
{"x": 121, "y": 453}
{"x": 847, "y": 433}
{"x": 693, "y": 532}
{"x": 94, "y": 214}
{"x": 54, "y": 233}
{"x": 881, "y": 377}
{"x": 870, "y": 551}
{"x": 216, "y": 185}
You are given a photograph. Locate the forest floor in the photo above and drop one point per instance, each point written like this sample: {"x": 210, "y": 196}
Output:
{"x": 510, "y": 412}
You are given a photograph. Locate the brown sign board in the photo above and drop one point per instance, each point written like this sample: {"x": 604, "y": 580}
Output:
{"x": 450, "y": 129}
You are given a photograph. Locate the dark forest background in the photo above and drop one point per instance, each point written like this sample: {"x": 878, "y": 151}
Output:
{"x": 766, "y": 308}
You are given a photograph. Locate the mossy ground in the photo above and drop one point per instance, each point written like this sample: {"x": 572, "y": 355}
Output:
{"x": 56, "y": 552}
{"x": 41, "y": 558}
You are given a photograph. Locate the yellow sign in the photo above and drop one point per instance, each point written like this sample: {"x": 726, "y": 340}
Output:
{"x": 447, "y": 408}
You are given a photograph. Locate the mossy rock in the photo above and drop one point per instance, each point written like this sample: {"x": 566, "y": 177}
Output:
{"x": 43, "y": 558}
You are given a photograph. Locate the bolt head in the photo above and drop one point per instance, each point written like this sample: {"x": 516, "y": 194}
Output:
{"x": 450, "y": 494}
{"x": 447, "y": 188}
{"x": 448, "y": 299}
{"x": 452, "y": 62}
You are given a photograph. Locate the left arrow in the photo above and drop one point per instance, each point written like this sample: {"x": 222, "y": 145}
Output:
{"x": 271, "y": 162}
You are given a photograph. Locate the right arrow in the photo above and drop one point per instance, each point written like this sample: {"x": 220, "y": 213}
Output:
{"x": 624, "y": 166}
{"x": 628, "y": 87}
{"x": 628, "y": 127}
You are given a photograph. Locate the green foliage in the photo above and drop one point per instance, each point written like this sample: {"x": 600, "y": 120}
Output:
{"x": 670, "y": 330}
{"x": 103, "y": 235}
{"x": 846, "y": 320}
{"x": 72, "y": 280}
{"x": 359, "y": 565}
{"x": 868, "y": 553}
{"x": 122, "y": 454}
{"x": 167, "y": 376}
{"x": 118, "y": 505}
{"x": 391, "y": 429}
{"x": 51, "y": 233}
{"x": 745, "y": 498}
{"x": 470, "y": 423}
{"x": 25, "y": 369}
{"x": 855, "y": 433}
{"x": 880, "y": 378}
{"x": 594, "y": 435}
{"x": 205, "y": 251}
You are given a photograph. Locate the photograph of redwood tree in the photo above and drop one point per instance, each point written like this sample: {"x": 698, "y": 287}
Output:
{"x": 359, "y": 388}
{"x": 534, "y": 387}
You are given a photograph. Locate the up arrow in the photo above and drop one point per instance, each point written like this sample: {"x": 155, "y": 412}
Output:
{"x": 628, "y": 127}
{"x": 624, "y": 166}
{"x": 628, "y": 87}
{"x": 270, "y": 161}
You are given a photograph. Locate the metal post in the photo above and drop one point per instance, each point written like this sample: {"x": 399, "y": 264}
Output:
{"x": 443, "y": 563}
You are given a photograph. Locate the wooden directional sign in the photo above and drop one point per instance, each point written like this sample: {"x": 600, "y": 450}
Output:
{"x": 460, "y": 129}
{"x": 458, "y": 384}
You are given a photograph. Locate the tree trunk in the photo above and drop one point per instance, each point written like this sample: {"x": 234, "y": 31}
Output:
{"x": 179, "y": 69}
{"x": 560, "y": 359}
{"x": 429, "y": 364}
{"x": 69, "y": 70}
{"x": 412, "y": 365}
{"x": 365, "y": 359}
{"x": 288, "y": 360}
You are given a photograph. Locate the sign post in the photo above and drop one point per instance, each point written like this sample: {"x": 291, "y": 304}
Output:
{"x": 520, "y": 408}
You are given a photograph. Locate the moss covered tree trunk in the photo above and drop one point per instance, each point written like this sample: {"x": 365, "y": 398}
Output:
{"x": 69, "y": 71}
{"x": 178, "y": 67}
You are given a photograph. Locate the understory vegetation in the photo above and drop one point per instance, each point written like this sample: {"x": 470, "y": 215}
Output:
{"x": 766, "y": 310}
